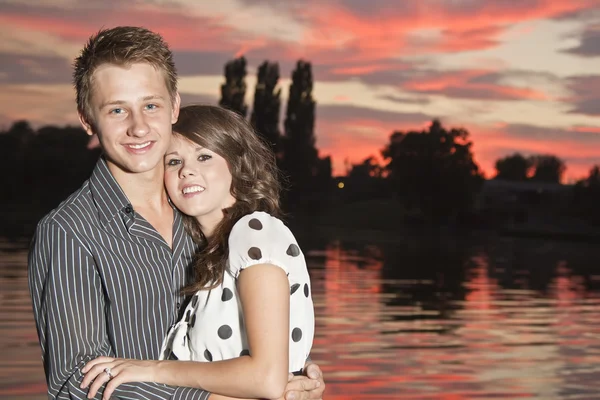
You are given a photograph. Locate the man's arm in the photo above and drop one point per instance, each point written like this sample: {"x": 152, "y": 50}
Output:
{"x": 69, "y": 311}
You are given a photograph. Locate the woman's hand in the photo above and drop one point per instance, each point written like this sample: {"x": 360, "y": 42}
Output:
{"x": 116, "y": 371}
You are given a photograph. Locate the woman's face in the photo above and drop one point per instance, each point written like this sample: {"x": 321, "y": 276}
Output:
{"x": 198, "y": 181}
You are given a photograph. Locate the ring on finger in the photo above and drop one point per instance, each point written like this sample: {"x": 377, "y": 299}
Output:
{"x": 107, "y": 372}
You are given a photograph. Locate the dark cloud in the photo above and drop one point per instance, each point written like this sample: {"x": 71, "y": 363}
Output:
{"x": 405, "y": 100}
{"x": 588, "y": 107}
{"x": 589, "y": 45}
{"x": 531, "y": 133}
{"x": 337, "y": 113}
{"x": 413, "y": 9}
{"x": 585, "y": 94}
{"x": 378, "y": 7}
{"x": 200, "y": 62}
{"x": 17, "y": 68}
{"x": 189, "y": 98}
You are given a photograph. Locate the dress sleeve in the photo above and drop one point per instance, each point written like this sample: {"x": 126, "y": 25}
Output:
{"x": 260, "y": 238}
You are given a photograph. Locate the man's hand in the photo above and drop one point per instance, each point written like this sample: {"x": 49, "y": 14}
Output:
{"x": 115, "y": 371}
{"x": 309, "y": 387}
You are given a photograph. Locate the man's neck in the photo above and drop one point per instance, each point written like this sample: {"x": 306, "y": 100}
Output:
{"x": 147, "y": 194}
{"x": 145, "y": 191}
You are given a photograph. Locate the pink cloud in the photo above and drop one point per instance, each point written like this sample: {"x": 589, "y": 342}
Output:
{"x": 470, "y": 84}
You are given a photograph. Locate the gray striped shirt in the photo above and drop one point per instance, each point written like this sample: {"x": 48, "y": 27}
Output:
{"x": 104, "y": 282}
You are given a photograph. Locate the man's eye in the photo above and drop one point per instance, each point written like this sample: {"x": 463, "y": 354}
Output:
{"x": 204, "y": 157}
{"x": 117, "y": 111}
{"x": 152, "y": 106}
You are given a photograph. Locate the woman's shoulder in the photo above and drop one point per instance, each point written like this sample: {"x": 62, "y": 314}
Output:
{"x": 259, "y": 222}
{"x": 259, "y": 238}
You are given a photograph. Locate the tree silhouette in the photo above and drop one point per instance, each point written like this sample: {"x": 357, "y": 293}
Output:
{"x": 547, "y": 168}
{"x": 267, "y": 102}
{"x": 301, "y": 160}
{"x": 433, "y": 170}
{"x": 40, "y": 169}
{"x": 368, "y": 168}
{"x": 366, "y": 180}
{"x": 513, "y": 168}
{"x": 586, "y": 196}
{"x": 13, "y": 145}
{"x": 233, "y": 91}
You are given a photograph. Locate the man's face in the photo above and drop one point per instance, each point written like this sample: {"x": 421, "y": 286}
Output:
{"x": 133, "y": 114}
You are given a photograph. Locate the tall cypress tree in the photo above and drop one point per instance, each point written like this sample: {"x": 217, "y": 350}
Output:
{"x": 233, "y": 91}
{"x": 267, "y": 103}
{"x": 301, "y": 160}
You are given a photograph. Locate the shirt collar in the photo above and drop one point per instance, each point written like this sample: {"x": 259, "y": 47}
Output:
{"x": 107, "y": 193}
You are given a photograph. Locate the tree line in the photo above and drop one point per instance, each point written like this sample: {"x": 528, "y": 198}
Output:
{"x": 431, "y": 171}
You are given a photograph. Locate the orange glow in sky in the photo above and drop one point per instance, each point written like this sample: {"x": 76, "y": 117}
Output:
{"x": 519, "y": 76}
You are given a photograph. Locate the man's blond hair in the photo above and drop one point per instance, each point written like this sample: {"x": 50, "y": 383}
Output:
{"x": 122, "y": 46}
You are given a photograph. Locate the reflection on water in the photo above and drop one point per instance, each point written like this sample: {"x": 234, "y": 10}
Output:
{"x": 411, "y": 318}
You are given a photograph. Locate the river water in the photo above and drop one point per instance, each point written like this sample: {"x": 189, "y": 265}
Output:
{"x": 423, "y": 316}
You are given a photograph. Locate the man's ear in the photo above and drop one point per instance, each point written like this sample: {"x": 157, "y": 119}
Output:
{"x": 86, "y": 125}
{"x": 176, "y": 106}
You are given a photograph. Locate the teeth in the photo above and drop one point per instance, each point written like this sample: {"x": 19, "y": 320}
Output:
{"x": 139, "y": 146}
{"x": 193, "y": 189}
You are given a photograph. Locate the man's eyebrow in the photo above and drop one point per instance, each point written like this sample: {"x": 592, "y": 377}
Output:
{"x": 112, "y": 103}
{"x": 122, "y": 102}
{"x": 153, "y": 97}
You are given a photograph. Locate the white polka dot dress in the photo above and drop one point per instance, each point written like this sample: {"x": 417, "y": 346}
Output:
{"x": 212, "y": 327}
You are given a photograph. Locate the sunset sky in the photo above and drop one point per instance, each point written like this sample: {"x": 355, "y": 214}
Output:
{"x": 518, "y": 75}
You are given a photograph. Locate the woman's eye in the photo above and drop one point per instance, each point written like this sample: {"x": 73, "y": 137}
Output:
{"x": 173, "y": 162}
{"x": 204, "y": 157}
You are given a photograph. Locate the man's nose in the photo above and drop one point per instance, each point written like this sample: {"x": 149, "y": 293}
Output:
{"x": 139, "y": 126}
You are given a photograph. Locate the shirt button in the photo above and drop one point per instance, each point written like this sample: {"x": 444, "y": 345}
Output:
{"x": 128, "y": 210}
{"x": 178, "y": 305}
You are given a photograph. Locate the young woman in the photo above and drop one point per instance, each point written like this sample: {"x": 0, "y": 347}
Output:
{"x": 250, "y": 320}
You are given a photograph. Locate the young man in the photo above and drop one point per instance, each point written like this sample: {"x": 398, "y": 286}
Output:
{"x": 106, "y": 266}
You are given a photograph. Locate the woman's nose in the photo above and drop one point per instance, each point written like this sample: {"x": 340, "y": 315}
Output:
{"x": 186, "y": 171}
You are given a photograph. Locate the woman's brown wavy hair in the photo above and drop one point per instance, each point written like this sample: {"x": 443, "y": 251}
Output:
{"x": 255, "y": 184}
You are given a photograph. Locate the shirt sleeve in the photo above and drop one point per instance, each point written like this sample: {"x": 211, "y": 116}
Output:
{"x": 68, "y": 307}
{"x": 260, "y": 238}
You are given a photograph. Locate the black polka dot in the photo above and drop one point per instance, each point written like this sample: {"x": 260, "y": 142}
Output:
{"x": 172, "y": 356}
{"x": 255, "y": 224}
{"x": 193, "y": 321}
{"x": 306, "y": 289}
{"x": 294, "y": 287}
{"x": 245, "y": 352}
{"x": 255, "y": 253}
{"x": 226, "y": 295}
{"x": 293, "y": 250}
{"x": 194, "y": 300}
{"x": 184, "y": 338}
{"x": 187, "y": 316}
{"x": 296, "y": 334}
{"x": 207, "y": 355}
{"x": 224, "y": 332}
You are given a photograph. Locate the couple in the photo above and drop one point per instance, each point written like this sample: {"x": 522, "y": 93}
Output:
{"x": 109, "y": 269}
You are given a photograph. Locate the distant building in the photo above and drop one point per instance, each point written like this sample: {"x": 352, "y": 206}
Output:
{"x": 511, "y": 202}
